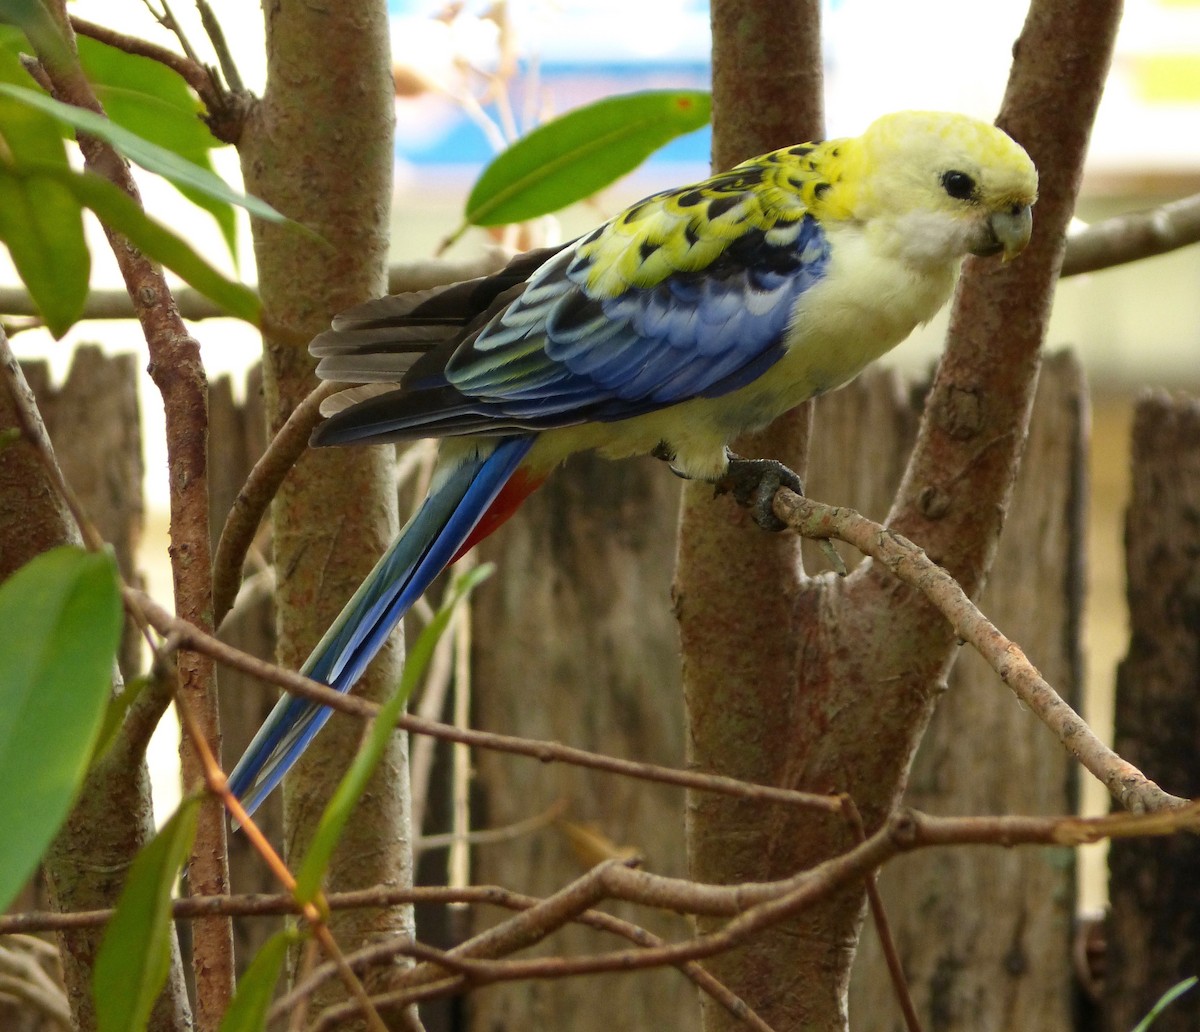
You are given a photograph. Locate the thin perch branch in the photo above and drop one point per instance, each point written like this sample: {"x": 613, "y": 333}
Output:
{"x": 253, "y": 500}
{"x": 1129, "y": 238}
{"x": 1128, "y": 785}
{"x": 192, "y": 638}
{"x": 191, "y": 72}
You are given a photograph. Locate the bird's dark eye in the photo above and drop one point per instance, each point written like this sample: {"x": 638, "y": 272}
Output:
{"x": 958, "y": 185}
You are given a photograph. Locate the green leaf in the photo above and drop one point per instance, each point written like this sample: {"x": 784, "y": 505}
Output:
{"x": 157, "y": 242}
{"x": 1164, "y": 1001}
{"x": 354, "y": 782}
{"x": 114, "y": 717}
{"x": 149, "y": 155}
{"x": 248, "y": 1011}
{"x": 147, "y": 98}
{"x": 150, "y": 99}
{"x": 135, "y": 954}
{"x": 32, "y": 18}
{"x": 60, "y": 624}
{"x": 41, "y": 223}
{"x": 575, "y": 155}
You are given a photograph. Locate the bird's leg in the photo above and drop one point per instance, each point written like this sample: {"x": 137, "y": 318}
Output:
{"x": 753, "y": 483}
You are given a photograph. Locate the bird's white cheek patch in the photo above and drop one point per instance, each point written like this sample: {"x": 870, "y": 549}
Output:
{"x": 926, "y": 237}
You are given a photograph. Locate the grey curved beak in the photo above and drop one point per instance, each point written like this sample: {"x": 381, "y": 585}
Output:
{"x": 1008, "y": 232}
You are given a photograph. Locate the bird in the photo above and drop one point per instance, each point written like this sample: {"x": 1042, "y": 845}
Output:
{"x": 694, "y": 315}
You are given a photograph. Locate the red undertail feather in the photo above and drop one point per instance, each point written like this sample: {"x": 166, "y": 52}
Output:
{"x": 519, "y": 487}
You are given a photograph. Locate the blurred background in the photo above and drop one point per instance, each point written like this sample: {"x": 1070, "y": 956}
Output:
{"x": 471, "y": 76}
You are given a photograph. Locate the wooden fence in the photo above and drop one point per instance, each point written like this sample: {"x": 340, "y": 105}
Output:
{"x": 987, "y": 936}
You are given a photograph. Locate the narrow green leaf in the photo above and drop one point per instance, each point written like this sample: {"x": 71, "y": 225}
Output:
{"x": 41, "y": 224}
{"x": 248, "y": 1011}
{"x": 60, "y": 624}
{"x": 1164, "y": 1001}
{"x": 150, "y": 99}
{"x": 149, "y": 155}
{"x": 354, "y": 783}
{"x": 156, "y": 241}
{"x": 147, "y": 98}
{"x": 32, "y": 18}
{"x": 575, "y": 155}
{"x": 135, "y": 954}
{"x": 114, "y": 716}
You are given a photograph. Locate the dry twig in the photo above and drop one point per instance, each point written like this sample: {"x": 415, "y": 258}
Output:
{"x": 547, "y": 752}
{"x": 255, "y": 496}
{"x": 1128, "y": 785}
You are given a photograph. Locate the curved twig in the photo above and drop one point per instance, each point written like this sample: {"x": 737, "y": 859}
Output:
{"x": 1128, "y": 785}
{"x": 190, "y": 71}
{"x": 254, "y": 498}
{"x": 751, "y": 907}
{"x": 1129, "y": 238}
{"x": 194, "y": 639}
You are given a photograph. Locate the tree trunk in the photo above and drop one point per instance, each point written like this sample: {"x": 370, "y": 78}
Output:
{"x": 828, "y": 685}
{"x": 94, "y": 421}
{"x": 1154, "y": 922}
{"x": 319, "y": 148}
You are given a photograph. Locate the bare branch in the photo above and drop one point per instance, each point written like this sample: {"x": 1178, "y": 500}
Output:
{"x": 757, "y": 906}
{"x": 254, "y": 498}
{"x": 911, "y": 829}
{"x": 547, "y": 752}
{"x": 216, "y": 36}
{"x": 1129, "y": 238}
{"x": 111, "y": 304}
{"x": 178, "y": 372}
{"x": 402, "y": 277}
{"x": 190, "y": 71}
{"x": 883, "y": 927}
{"x": 1128, "y": 785}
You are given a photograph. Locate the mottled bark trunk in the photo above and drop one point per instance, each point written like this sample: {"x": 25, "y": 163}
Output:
{"x": 319, "y": 148}
{"x": 828, "y": 685}
{"x": 985, "y": 935}
{"x": 94, "y": 422}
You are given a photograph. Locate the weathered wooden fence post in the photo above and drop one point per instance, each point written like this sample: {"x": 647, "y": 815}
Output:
{"x": 1154, "y": 884}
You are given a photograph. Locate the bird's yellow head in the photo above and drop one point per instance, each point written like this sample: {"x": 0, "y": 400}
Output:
{"x": 937, "y": 186}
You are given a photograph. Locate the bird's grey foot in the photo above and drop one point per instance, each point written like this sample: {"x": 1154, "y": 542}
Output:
{"x": 753, "y": 483}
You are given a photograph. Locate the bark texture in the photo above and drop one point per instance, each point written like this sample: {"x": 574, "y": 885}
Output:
{"x": 319, "y": 148}
{"x": 828, "y": 685}
{"x": 94, "y": 421}
{"x": 1154, "y": 921}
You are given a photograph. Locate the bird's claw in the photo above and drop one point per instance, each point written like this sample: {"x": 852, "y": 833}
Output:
{"x": 666, "y": 453}
{"x": 753, "y": 483}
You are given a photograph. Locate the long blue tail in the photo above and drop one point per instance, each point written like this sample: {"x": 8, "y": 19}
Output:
{"x": 425, "y": 546}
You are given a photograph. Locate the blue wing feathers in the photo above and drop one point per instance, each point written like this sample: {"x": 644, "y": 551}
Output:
{"x": 422, "y": 550}
{"x": 558, "y": 354}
